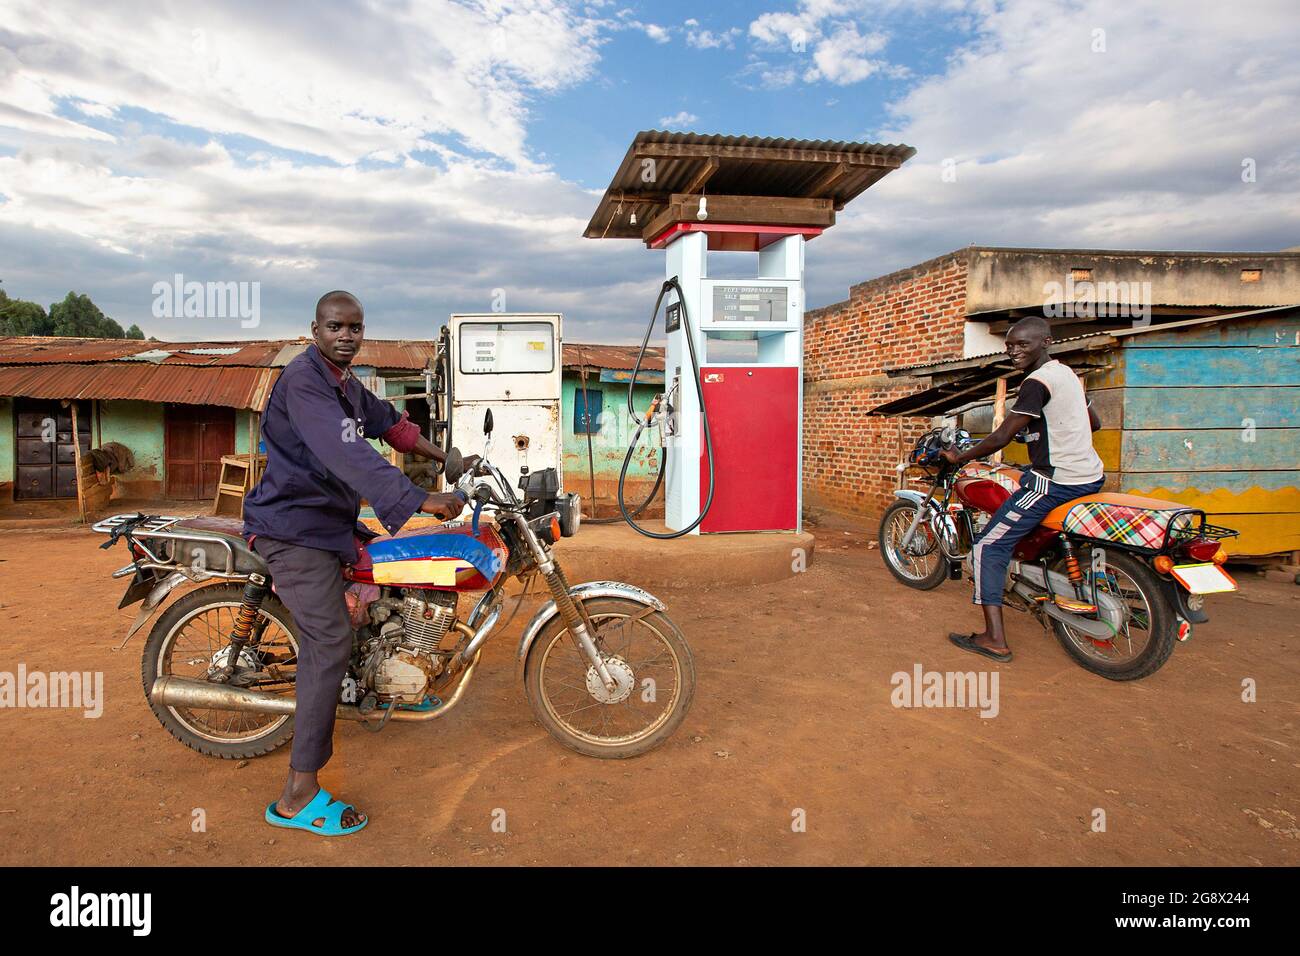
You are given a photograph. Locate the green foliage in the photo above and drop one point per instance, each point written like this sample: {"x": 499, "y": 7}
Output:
{"x": 75, "y": 316}
{"x": 18, "y": 317}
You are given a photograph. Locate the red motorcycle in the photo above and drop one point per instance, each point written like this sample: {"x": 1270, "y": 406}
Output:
{"x": 1120, "y": 578}
{"x": 604, "y": 668}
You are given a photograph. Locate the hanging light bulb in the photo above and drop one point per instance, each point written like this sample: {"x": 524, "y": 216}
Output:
{"x": 632, "y": 219}
{"x": 703, "y": 214}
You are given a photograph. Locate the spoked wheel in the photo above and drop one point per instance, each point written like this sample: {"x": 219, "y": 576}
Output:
{"x": 191, "y": 638}
{"x": 1147, "y": 637}
{"x": 650, "y": 662}
{"x": 921, "y": 563}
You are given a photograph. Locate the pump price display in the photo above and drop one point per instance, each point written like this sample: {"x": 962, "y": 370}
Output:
{"x": 506, "y": 347}
{"x": 749, "y": 303}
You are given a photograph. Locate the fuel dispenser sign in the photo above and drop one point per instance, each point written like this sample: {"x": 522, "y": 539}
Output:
{"x": 749, "y": 303}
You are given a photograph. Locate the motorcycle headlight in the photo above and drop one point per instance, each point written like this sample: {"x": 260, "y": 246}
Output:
{"x": 569, "y": 508}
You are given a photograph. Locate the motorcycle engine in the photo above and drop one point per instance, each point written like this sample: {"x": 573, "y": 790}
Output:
{"x": 411, "y": 642}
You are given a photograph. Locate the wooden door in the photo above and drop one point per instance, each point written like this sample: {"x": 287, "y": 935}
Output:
{"x": 46, "y": 459}
{"x": 195, "y": 438}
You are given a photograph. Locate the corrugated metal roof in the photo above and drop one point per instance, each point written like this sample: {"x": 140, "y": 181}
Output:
{"x": 231, "y": 387}
{"x": 53, "y": 350}
{"x": 1074, "y": 343}
{"x": 611, "y": 356}
{"x": 741, "y": 166}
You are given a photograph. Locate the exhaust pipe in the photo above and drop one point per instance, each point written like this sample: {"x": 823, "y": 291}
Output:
{"x": 172, "y": 691}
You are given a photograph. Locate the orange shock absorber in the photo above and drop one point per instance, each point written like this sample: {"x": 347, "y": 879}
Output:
{"x": 254, "y": 592}
{"x": 1071, "y": 562}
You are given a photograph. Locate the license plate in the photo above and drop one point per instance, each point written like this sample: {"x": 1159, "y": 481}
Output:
{"x": 1204, "y": 578}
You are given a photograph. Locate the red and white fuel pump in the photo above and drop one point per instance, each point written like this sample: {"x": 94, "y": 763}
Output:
{"x": 732, "y": 409}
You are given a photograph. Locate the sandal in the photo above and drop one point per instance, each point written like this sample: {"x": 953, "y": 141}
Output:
{"x": 967, "y": 643}
{"x": 322, "y": 807}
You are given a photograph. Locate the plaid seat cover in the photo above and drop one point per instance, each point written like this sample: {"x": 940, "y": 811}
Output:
{"x": 1122, "y": 524}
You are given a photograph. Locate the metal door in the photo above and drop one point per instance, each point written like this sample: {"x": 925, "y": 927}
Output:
{"x": 46, "y": 459}
{"x": 754, "y": 423}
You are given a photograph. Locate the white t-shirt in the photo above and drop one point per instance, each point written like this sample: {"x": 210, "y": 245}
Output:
{"x": 1060, "y": 441}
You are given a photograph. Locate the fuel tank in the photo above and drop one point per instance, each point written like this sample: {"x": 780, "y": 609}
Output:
{"x": 445, "y": 558}
{"x": 985, "y": 487}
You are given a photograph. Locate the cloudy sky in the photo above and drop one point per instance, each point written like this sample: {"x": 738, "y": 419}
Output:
{"x": 426, "y": 154}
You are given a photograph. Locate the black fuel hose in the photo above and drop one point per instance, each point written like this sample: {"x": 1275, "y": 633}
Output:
{"x": 676, "y": 286}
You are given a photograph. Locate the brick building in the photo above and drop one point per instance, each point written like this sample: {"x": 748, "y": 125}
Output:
{"x": 959, "y": 305}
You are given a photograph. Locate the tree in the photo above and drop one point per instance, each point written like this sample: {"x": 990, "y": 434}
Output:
{"x": 19, "y": 317}
{"x": 76, "y": 315}
{"x": 134, "y": 332}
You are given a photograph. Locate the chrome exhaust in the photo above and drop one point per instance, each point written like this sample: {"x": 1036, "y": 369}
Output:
{"x": 171, "y": 691}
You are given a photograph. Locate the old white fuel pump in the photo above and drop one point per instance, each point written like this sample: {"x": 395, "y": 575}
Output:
{"x": 510, "y": 363}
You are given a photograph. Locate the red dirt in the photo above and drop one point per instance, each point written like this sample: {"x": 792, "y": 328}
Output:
{"x": 793, "y": 711}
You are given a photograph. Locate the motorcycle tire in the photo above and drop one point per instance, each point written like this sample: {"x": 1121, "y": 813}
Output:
{"x": 1163, "y": 626}
{"x": 555, "y": 635}
{"x": 931, "y": 580}
{"x": 214, "y": 598}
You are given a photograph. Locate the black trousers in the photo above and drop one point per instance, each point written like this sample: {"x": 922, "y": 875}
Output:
{"x": 310, "y": 583}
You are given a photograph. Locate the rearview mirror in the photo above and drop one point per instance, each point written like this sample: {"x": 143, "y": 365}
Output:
{"x": 487, "y": 422}
{"x": 454, "y": 466}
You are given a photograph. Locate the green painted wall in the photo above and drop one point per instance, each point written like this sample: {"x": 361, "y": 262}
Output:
{"x": 6, "y": 440}
{"x": 138, "y": 426}
{"x": 609, "y": 445}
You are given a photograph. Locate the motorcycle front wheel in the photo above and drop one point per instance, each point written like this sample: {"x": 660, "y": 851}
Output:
{"x": 647, "y": 656}
{"x": 921, "y": 564}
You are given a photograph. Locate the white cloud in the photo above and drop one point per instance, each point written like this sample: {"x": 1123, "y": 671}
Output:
{"x": 1056, "y": 145}
{"x": 345, "y": 82}
{"x": 678, "y": 120}
{"x": 708, "y": 39}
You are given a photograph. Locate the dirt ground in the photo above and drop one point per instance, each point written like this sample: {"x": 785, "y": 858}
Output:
{"x": 793, "y": 713}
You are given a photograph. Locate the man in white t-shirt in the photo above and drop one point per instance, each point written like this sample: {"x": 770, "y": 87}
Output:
{"x": 1058, "y": 421}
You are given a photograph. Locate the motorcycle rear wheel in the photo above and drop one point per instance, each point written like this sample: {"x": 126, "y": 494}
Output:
{"x": 912, "y": 569}
{"x": 1150, "y": 617}
{"x": 558, "y": 681}
{"x": 184, "y": 642}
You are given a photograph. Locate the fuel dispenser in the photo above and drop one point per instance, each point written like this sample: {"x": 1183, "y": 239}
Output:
{"x": 511, "y": 364}
{"x": 730, "y": 417}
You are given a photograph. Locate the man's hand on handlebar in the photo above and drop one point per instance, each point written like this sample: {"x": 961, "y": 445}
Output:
{"x": 443, "y": 505}
{"x": 953, "y": 456}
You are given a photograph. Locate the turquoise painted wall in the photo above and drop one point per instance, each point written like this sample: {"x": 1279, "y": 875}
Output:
{"x": 609, "y": 445}
{"x": 6, "y": 440}
{"x": 138, "y": 426}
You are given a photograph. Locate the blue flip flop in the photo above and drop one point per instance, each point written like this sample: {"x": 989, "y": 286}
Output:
{"x": 321, "y": 806}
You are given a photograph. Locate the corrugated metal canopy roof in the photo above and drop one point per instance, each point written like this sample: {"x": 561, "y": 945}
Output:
{"x": 186, "y": 384}
{"x": 736, "y": 166}
{"x": 966, "y": 381}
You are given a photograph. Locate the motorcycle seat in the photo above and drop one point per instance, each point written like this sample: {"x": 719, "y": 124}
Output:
{"x": 247, "y": 561}
{"x": 1113, "y": 507}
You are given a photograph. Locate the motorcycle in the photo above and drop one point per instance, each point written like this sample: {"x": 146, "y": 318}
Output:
{"x": 605, "y": 670}
{"x": 1121, "y": 579}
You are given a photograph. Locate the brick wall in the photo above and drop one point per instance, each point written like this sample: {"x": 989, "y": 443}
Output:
{"x": 908, "y": 317}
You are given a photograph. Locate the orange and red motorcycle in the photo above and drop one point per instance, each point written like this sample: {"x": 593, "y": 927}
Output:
{"x": 1119, "y": 578}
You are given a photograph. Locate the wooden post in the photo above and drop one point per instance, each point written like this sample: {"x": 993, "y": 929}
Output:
{"x": 999, "y": 412}
{"x": 76, "y": 458}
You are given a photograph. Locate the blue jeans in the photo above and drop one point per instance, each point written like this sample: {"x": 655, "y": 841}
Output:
{"x": 1019, "y": 515}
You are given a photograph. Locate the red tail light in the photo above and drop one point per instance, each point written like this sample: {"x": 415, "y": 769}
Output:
{"x": 1202, "y": 549}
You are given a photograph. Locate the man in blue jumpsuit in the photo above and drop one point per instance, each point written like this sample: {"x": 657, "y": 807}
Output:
{"x": 302, "y": 519}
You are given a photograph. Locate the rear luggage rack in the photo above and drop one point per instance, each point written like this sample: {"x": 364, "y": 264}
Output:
{"x": 152, "y": 534}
